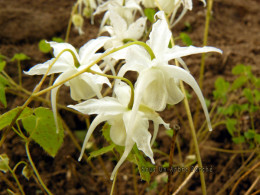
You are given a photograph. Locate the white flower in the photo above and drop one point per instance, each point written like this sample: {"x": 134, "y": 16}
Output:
{"x": 125, "y": 8}
{"x": 83, "y": 86}
{"x": 120, "y": 30}
{"x": 116, "y": 112}
{"x": 157, "y": 82}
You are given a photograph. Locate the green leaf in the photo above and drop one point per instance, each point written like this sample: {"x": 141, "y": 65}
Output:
{"x": 257, "y": 137}
{"x": 257, "y": 95}
{"x": 169, "y": 132}
{"x": 238, "y": 69}
{"x": 2, "y": 95}
{"x": 4, "y": 162}
{"x": 106, "y": 132}
{"x": 2, "y": 65}
{"x": 42, "y": 130}
{"x": 44, "y": 47}
{"x": 231, "y": 125}
{"x": 257, "y": 82}
{"x": 221, "y": 89}
{"x": 143, "y": 165}
{"x": 149, "y": 13}
{"x": 6, "y": 118}
{"x": 20, "y": 57}
{"x": 239, "y": 82}
{"x": 250, "y": 134}
{"x": 185, "y": 39}
{"x": 58, "y": 39}
{"x": 238, "y": 140}
{"x": 207, "y": 102}
{"x": 249, "y": 95}
{"x": 101, "y": 151}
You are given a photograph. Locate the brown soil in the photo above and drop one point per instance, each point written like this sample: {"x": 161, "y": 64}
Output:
{"x": 234, "y": 28}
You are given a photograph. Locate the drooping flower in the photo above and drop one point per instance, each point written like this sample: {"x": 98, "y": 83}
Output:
{"x": 157, "y": 84}
{"x": 84, "y": 86}
{"x": 116, "y": 112}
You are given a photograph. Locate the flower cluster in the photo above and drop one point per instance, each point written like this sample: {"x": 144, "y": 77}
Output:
{"x": 130, "y": 108}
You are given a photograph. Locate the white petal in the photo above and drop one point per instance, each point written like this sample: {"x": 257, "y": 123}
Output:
{"x": 54, "y": 94}
{"x": 123, "y": 93}
{"x": 66, "y": 57}
{"x": 179, "y": 73}
{"x": 87, "y": 51}
{"x": 175, "y": 95}
{"x": 187, "y": 4}
{"x": 151, "y": 86}
{"x": 136, "y": 29}
{"x": 160, "y": 36}
{"x": 128, "y": 147}
{"x": 139, "y": 133}
{"x": 118, "y": 23}
{"x": 106, "y": 106}
{"x": 41, "y": 69}
{"x": 177, "y": 51}
{"x": 117, "y": 130}
{"x": 99, "y": 119}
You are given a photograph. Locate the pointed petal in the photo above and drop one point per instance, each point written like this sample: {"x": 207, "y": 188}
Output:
{"x": 177, "y": 51}
{"x": 187, "y": 4}
{"x": 41, "y": 69}
{"x": 160, "y": 36}
{"x": 136, "y": 29}
{"x": 179, "y": 73}
{"x": 106, "y": 105}
{"x": 118, "y": 23}
{"x": 99, "y": 119}
{"x": 87, "y": 51}
{"x": 128, "y": 147}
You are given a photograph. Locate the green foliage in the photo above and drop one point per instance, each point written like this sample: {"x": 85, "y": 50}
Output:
{"x": 6, "y": 118}
{"x": 44, "y": 46}
{"x": 3, "y": 84}
{"x": 42, "y": 130}
{"x": 221, "y": 89}
{"x": 169, "y": 132}
{"x": 185, "y": 39}
{"x": 143, "y": 165}
{"x": 231, "y": 125}
{"x": 4, "y": 162}
{"x": 149, "y": 13}
{"x": 101, "y": 151}
{"x": 238, "y": 140}
{"x": 58, "y": 39}
{"x": 20, "y": 57}
{"x": 245, "y": 86}
{"x": 2, "y": 65}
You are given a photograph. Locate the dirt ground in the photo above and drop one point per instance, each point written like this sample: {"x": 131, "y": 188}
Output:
{"x": 234, "y": 28}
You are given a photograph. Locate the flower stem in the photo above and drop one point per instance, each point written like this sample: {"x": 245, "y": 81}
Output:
{"x": 34, "y": 168}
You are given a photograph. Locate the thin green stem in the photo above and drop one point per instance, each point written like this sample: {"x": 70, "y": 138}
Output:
{"x": 70, "y": 22}
{"x": 19, "y": 163}
{"x": 19, "y": 72}
{"x": 131, "y": 102}
{"x": 34, "y": 168}
{"x": 113, "y": 185}
{"x": 14, "y": 176}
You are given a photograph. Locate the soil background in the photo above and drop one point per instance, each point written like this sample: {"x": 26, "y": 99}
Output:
{"x": 234, "y": 28}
